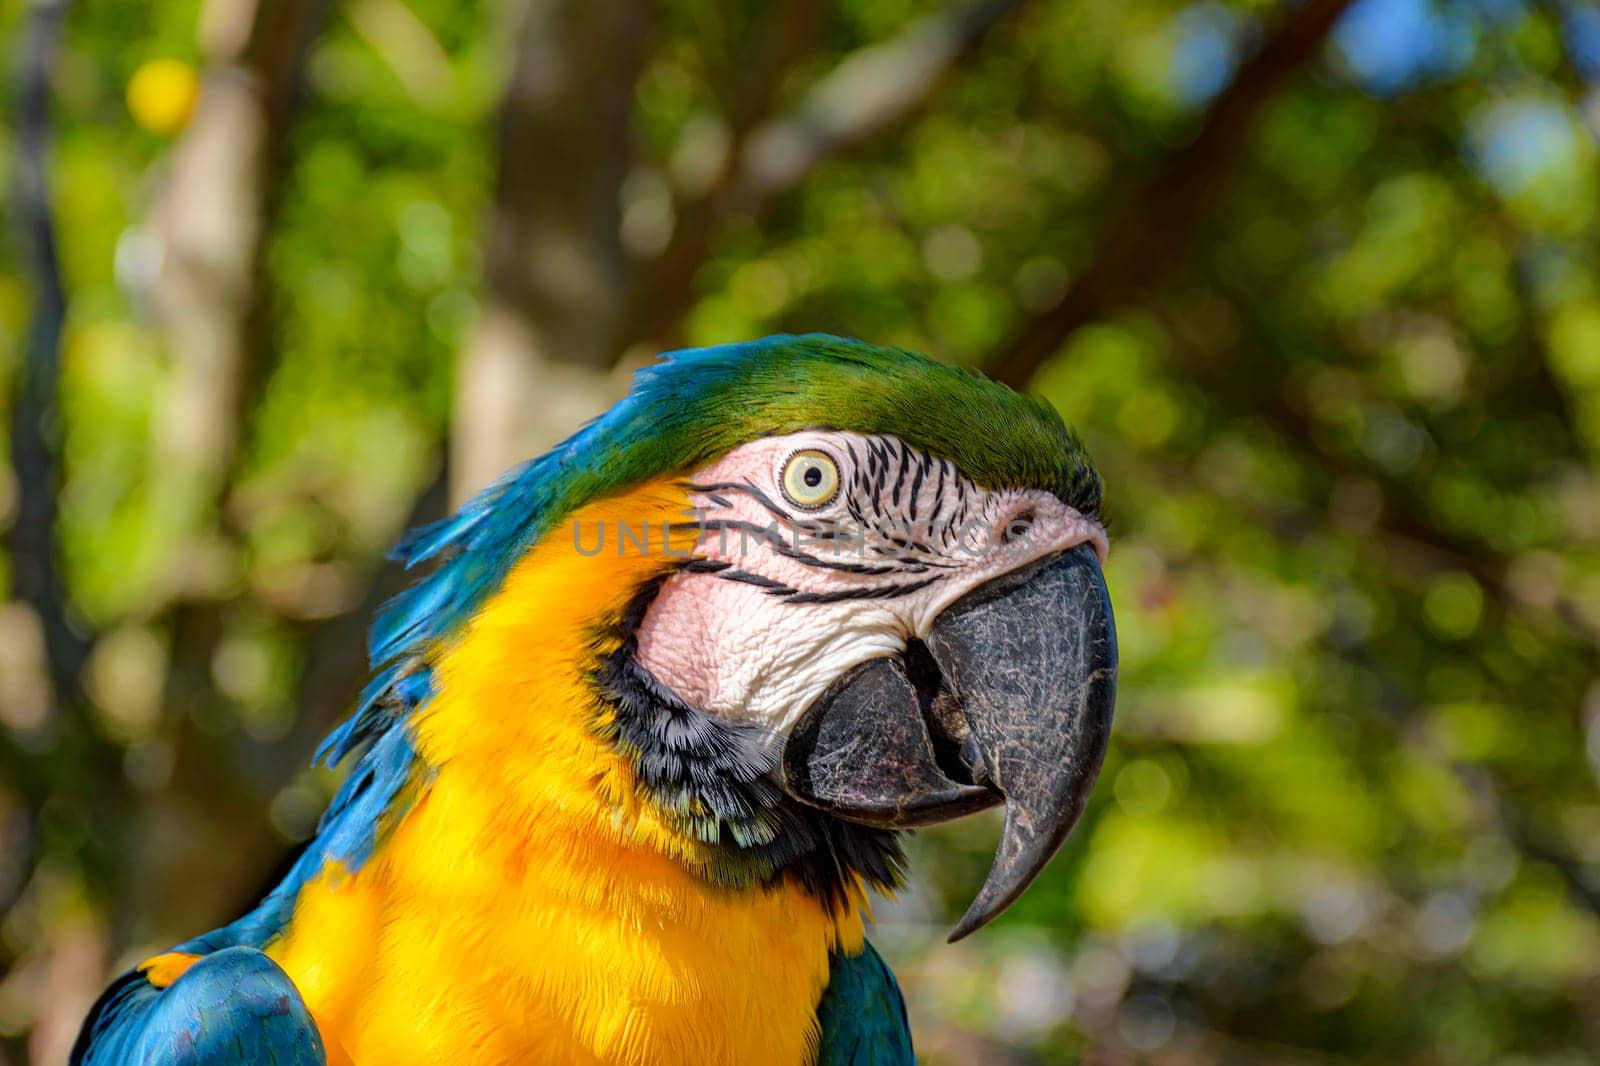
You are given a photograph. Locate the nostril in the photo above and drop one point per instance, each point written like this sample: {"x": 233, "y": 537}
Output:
{"x": 1017, "y": 526}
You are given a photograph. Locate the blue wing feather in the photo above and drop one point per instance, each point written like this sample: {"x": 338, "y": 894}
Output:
{"x": 862, "y": 1014}
{"x": 232, "y": 1008}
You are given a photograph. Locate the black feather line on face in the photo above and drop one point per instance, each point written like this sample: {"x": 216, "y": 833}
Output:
{"x": 880, "y": 470}
{"x": 713, "y": 780}
{"x": 916, "y": 482}
{"x": 743, "y": 487}
{"x": 776, "y": 588}
{"x": 900, "y": 472}
{"x": 938, "y": 491}
{"x": 878, "y": 592}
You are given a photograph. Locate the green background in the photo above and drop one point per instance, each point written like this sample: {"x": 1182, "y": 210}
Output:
{"x": 1324, "y": 304}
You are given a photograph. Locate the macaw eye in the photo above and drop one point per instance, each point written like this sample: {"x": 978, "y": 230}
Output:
{"x": 810, "y": 478}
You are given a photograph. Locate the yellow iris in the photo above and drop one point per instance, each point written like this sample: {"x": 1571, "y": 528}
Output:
{"x": 810, "y": 478}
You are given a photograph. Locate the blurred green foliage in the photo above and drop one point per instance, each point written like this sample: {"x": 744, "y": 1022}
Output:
{"x": 1348, "y": 428}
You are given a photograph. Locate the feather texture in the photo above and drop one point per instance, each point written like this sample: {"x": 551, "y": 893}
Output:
{"x": 862, "y": 1015}
{"x": 234, "y": 1007}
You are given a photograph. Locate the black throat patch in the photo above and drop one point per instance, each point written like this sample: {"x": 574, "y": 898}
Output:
{"x": 715, "y": 781}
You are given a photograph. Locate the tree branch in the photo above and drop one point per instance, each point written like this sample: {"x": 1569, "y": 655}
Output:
{"x": 875, "y": 89}
{"x": 35, "y": 414}
{"x": 1148, "y": 232}
{"x": 869, "y": 92}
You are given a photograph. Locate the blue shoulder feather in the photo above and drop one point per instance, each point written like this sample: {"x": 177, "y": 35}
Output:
{"x": 232, "y": 1008}
{"x": 862, "y": 1014}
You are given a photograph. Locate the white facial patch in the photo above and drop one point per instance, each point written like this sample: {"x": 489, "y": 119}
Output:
{"x": 822, "y": 550}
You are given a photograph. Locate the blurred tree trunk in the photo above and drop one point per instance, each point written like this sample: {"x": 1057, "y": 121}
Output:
{"x": 213, "y": 297}
{"x": 34, "y": 418}
{"x": 536, "y": 362}
{"x": 212, "y": 218}
{"x": 43, "y": 728}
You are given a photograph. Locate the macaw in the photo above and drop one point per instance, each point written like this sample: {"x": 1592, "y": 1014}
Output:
{"x": 637, "y": 749}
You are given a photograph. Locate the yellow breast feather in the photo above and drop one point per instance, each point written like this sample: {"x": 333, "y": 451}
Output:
{"x": 529, "y": 906}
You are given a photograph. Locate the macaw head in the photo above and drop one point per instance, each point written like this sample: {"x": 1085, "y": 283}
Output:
{"x": 884, "y": 608}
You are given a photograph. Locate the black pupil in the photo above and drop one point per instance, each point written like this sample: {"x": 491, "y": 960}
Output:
{"x": 812, "y": 477}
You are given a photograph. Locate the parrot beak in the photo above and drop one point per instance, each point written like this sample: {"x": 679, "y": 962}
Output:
{"x": 1009, "y": 702}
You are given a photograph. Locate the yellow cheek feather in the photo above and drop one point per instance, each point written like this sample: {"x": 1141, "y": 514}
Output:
{"x": 530, "y": 907}
{"x": 162, "y": 970}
